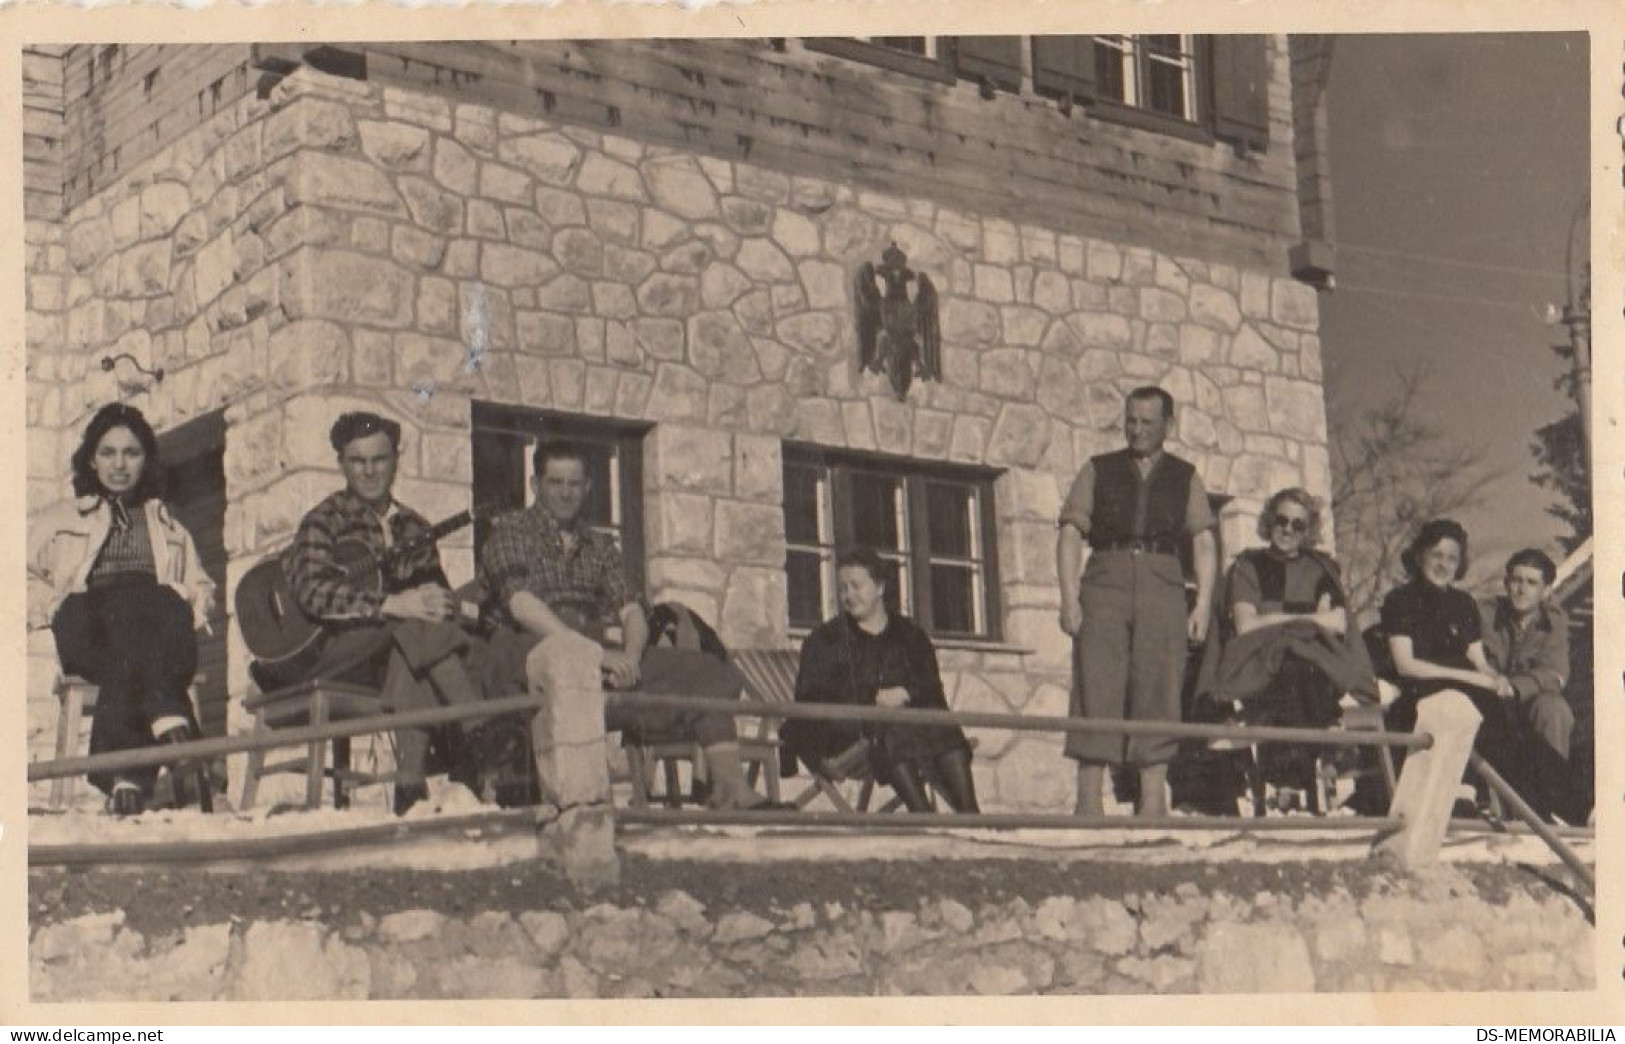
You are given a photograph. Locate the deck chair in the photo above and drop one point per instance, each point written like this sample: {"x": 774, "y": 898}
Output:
{"x": 770, "y": 675}
{"x": 758, "y": 742}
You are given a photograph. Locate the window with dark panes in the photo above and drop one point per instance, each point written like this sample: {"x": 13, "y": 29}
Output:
{"x": 504, "y": 439}
{"x": 923, "y": 56}
{"x": 1152, "y": 71}
{"x": 932, "y": 526}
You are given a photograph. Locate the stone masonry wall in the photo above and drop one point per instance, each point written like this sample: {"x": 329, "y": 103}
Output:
{"x": 1167, "y": 943}
{"x": 342, "y": 244}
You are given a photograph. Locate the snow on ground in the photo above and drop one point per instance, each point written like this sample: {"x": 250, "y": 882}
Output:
{"x": 461, "y": 848}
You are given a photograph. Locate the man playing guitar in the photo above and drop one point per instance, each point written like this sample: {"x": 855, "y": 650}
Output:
{"x": 400, "y": 635}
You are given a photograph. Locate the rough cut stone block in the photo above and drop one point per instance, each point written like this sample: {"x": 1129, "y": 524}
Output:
{"x": 309, "y": 122}
{"x": 1247, "y": 958}
{"x": 764, "y": 261}
{"x": 1297, "y": 409}
{"x": 455, "y": 168}
{"x": 325, "y": 179}
{"x": 677, "y": 184}
{"x": 504, "y": 184}
{"x": 552, "y": 158}
{"x": 721, "y": 284}
{"x": 693, "y": 459}
{"x": 816, "y": 332}
{"x": 1216, "y": 308}
{"x": 1020, "y": 436}
{"x": 1294, "y": 304}
{"x": 679, "y": 394}
{"x": 667, "y": 295}
{"x": 754, "y": 607}
{"x": 509, "y": 266}
{"x": 396, "y": 146}
{"x": 584, "y": 840}
{"x": 718, "y": 347}
{"x": 796, "y": 234}
{"x": 601, "y": 176}
{"x": 339, "y": 284}
{"x": 751, "y": 534}
{"x": 431, "y": 206}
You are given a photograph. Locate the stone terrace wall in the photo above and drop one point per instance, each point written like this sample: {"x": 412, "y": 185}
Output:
{"x": 1183, "y": 942}
{"x": 342, "y": 244}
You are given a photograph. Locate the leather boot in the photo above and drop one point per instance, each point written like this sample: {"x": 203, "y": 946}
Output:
{"x": 127, "y": 801}
{"x": 189, "y": 776}
{"x": 408, "y": 794}
{"x": 958, "y": 786}
{"x": 905, "y": 780}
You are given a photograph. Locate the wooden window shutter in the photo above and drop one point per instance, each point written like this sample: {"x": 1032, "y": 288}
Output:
{"x": 998, "y": 58}
{"x": 1241, "y": 104}
{"x": 1064, "y": 65}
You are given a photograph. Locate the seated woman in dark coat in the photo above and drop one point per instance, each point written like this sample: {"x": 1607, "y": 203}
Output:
{"x": 1285, "y": 648}
{"x": 868, "y": 657}
{"x": 1434, "y": 634}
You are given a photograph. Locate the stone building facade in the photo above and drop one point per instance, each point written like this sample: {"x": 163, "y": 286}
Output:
{"x": 425, "y": 231}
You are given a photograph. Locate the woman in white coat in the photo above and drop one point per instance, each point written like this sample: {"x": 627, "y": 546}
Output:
{"x": 118, "y": 580}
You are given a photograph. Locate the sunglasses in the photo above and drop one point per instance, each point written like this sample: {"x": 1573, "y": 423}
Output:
{"x": 1292, "y": 525}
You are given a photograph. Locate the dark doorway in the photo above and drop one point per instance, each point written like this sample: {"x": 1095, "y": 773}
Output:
{"x": 194, "y": 463}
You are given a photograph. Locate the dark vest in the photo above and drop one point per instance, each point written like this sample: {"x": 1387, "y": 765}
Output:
{"x": 1128, "y": 509}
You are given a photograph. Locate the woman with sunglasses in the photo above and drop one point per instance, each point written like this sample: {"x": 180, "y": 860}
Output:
{"x": 1287, "y": 649}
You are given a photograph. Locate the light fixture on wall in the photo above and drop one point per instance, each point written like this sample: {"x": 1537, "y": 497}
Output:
{"x": 110, "y": 361}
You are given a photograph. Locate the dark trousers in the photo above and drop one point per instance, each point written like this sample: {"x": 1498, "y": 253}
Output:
{"x": 1536, "y": 771}
{"x": 414, "y": 664}
{"x": 134, "y": 641}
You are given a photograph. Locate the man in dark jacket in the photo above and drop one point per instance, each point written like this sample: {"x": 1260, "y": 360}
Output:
{"x": 1123, "y": 597}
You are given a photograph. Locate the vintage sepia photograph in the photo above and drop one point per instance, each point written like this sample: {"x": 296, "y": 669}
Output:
{"x": 809, "y": 516}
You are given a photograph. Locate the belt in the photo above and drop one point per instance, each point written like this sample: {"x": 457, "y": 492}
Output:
{"x": 1138, "y": 547}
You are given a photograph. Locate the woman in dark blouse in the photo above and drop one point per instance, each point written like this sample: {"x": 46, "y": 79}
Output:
{"x": 869, "y": 657}
{"x": 1432, "y": 625}
{"x": 1434, "y": 637}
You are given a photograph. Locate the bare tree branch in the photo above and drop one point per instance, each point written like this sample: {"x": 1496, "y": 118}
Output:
{"x": 1392, "y": 471}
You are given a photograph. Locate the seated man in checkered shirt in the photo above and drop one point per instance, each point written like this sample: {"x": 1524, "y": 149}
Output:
{"x": 399, "y": 635}
{"x": 550, "y": 573}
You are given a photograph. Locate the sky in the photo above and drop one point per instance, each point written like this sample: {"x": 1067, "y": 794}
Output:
{"x": 1458, "y": 163}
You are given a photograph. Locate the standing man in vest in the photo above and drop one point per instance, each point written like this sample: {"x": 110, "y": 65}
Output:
{"x": 1123, "y": 597}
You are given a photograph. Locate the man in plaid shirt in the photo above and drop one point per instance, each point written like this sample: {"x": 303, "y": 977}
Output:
{"x": 551, "y": 572}
{"x": 400, "y": 636}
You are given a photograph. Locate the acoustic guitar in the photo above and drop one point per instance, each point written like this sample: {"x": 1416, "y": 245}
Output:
{"x": 276, "y": 630}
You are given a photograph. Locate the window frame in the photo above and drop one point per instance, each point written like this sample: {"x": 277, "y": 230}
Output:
{"x": 508, "y": 429}
{"x": 1198, "y": 93}
{"x": 914, "y": 476}
{"x": 937, "y": 67}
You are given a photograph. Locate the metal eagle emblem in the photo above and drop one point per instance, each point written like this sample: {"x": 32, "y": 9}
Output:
{"x": 897, "y": 336}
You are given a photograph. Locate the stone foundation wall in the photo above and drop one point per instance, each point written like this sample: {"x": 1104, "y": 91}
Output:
{"x": 1183, "y": 942}
{"x": 344, "y": 245}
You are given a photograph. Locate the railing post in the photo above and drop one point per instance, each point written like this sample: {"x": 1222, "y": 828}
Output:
{"x": 1430, "y": 780}
{"x": 567, "y": 736}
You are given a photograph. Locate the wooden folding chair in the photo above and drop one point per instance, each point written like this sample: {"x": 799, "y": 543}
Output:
{"x": 78, "y": 699}
{"x": 311, "y": 703}
{"x": 770, "y": 677}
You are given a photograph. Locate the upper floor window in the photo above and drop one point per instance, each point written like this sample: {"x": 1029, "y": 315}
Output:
{"x": 1194, "y": 86}
{"x": 931, "y": 525}
{"x": 924, "y": 56}
{"x": 1155, "y": 72}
